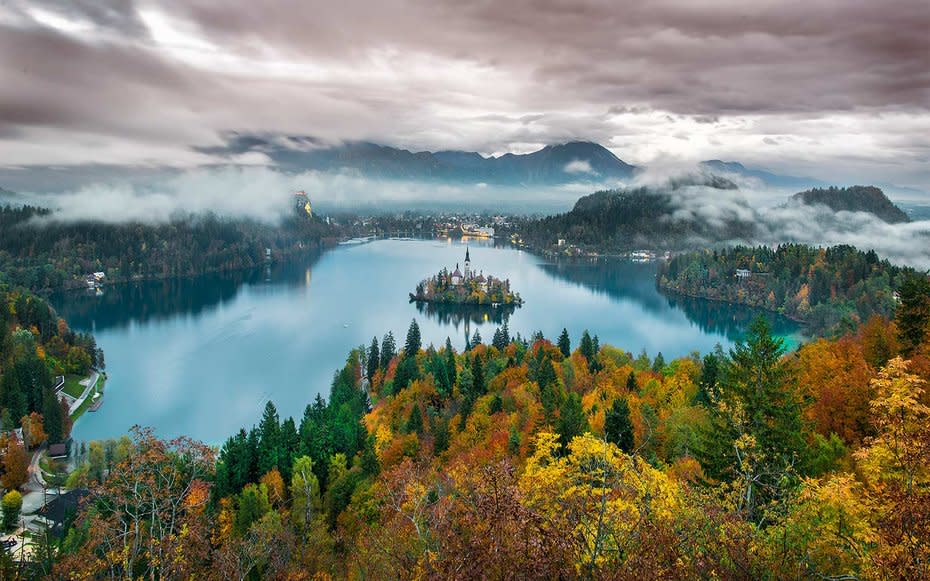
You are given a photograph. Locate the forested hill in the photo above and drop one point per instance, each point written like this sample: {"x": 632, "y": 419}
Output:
{"x": 35, "y": 346}
{"x": 533, "y": 459}
{"x": 39, "y": 253}
{"x": 854, "y": 199}
{"x": 830, "y": 289}
{"x": 644, "y": 217}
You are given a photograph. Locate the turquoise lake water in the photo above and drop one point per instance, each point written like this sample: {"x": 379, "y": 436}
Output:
{"x": 202, "y": 356}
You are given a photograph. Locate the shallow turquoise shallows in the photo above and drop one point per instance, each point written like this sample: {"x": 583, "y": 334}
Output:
{"x": 202, "y": 356}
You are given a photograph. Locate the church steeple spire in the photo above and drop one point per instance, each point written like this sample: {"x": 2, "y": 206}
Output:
{"x": 467, "y": 258}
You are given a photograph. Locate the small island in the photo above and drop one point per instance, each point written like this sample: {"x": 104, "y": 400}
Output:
{"x": 466, "y": 288}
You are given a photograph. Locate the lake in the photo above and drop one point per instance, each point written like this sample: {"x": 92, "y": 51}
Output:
{"x": 202, "y": 356}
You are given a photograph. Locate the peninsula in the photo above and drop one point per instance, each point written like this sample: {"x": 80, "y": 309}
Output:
{"x": 468, "y": 287}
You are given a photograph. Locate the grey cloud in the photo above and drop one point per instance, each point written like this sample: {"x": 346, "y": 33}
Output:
{"x": 485, "y": 76}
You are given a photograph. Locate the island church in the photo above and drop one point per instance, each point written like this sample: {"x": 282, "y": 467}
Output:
{"x": 459, "y": 278}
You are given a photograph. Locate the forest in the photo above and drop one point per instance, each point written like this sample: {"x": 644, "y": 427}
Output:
{"x": 832, "y": 290}
{"x": 35, "y": 347}
{"x": 526, "y": 457}
{"x": 616, "y": 221}
{"x": 39, "y": 251}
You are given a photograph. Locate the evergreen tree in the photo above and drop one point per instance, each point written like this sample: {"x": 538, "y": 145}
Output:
{"x": 497, "y": 404}
{"x": 498, "y": 341}
{"x": 708, "y": 382}
{"x": 659, "y": 364}
{"x": 565, "y": 343}
{"x": 374, "y": 359}
{"x": 755, "y": 432}
{"x": 506, "y": 333}
{"x": 413, "y": 344}
{"x": 476, "y": 339}
{"x": 440, "y": 436}
{"x": 415, "y": 421}
{"x": 388, "y": 352}
{"x": 269, "y": 446}
{"x": 478, "y": 378}
{"x": 618, "y": 428}
{"x": 913, "y": 312}
{"x": 407, "y": 371}
{"x": 572, "y": 419}
{"x": 290, "y": 446}
{"x": 451, "y": 372}
{"x": 587, "y": 346}
{"x": 631, "y": 385}
{"x": 513, "y": 441}
{"x": 51, "y": 416}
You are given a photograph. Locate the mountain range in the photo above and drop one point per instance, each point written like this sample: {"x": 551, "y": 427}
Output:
{"x": 577, "y": 161}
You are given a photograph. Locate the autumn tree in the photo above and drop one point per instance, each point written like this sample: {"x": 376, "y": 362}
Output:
{"x": 147, "y": 518}
{"x": 15, "y": 463}
{"x": 11, "y": 504}
{"x": 896, "y": 461}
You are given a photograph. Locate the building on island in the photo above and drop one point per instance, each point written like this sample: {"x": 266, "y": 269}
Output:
{"x": 468, "y": 286}
{"x": 302, "y": 203}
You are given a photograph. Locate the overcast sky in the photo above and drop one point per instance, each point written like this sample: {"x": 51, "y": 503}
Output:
{"x": 823, "y": 88}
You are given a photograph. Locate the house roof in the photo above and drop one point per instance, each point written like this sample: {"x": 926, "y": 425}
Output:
{"x": 63, "y": 506}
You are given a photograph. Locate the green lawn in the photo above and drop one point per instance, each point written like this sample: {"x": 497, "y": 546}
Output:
{"x": 90, "y": 398}
{"x": 72, "y": 386}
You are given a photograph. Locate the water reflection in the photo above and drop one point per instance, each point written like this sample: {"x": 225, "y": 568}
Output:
{"x": 725, "y": 319}
{"x": 119, "y": 305}
{"x": 465, "y": 315}
{"x": 626, "y": 280}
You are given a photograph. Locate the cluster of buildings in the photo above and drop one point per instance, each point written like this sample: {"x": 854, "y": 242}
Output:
{"x": 95, "y": 280}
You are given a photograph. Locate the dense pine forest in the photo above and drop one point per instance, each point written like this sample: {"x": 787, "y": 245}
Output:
{"x": 831, "y": 289}
{"x": 528, "y": 458}
{"x": 39, "y": 252}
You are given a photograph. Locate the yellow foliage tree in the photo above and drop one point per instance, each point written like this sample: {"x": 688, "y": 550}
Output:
{"x": 600, "y": 496}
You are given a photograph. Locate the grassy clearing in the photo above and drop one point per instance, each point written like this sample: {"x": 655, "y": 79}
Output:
{"x": 72, "y": 385}
{"x": 90, "y": 398}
